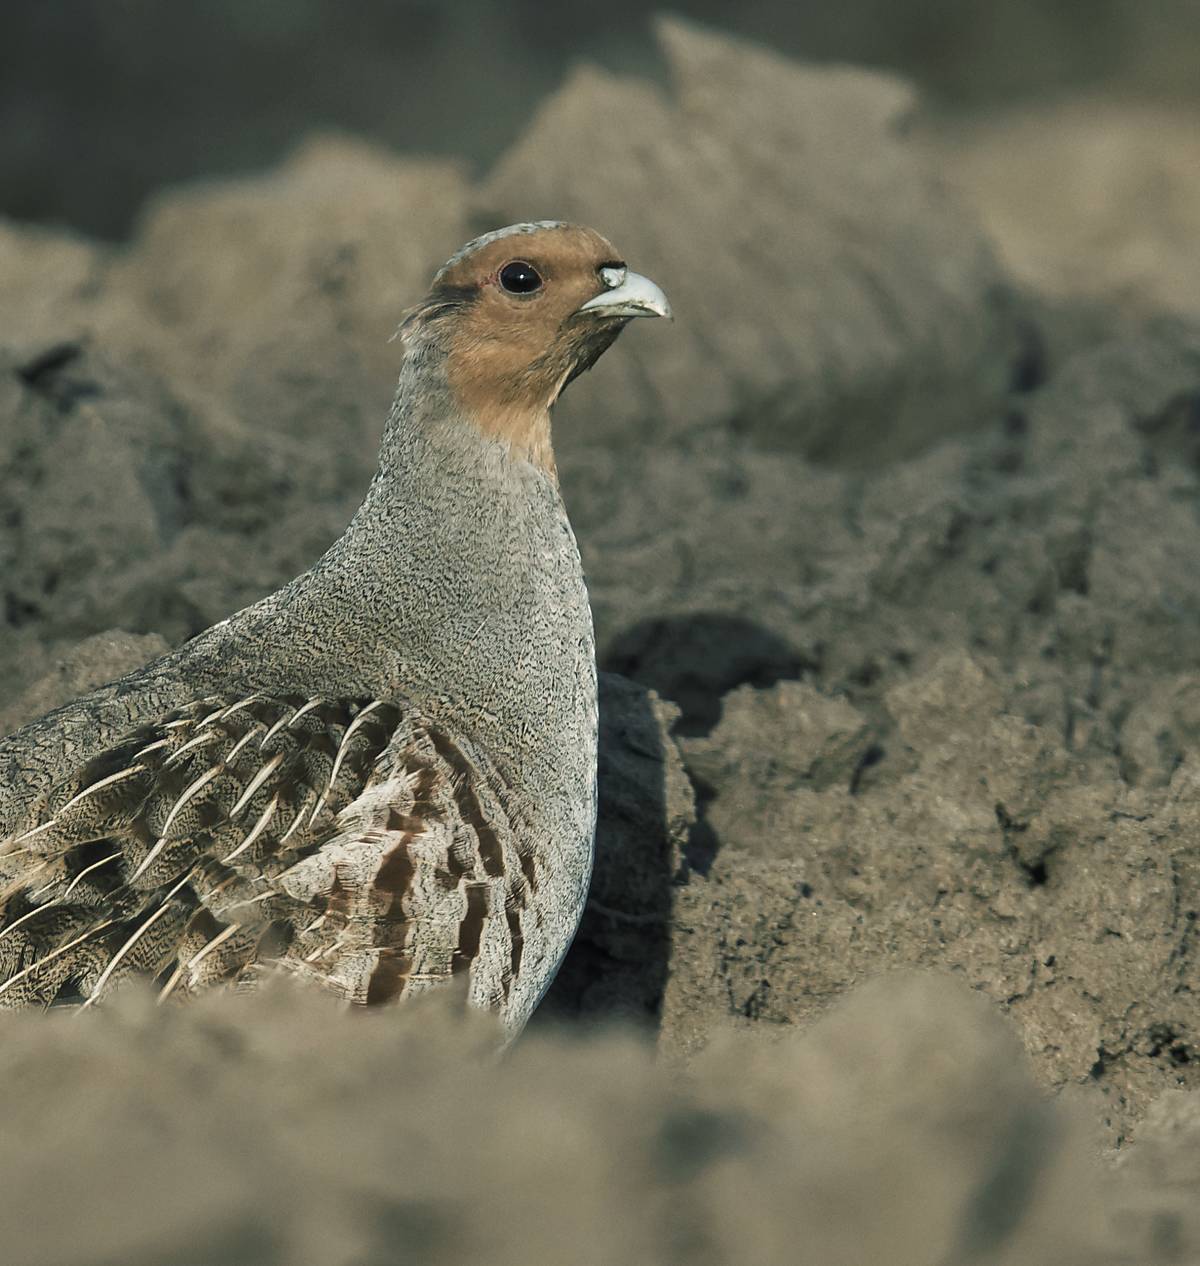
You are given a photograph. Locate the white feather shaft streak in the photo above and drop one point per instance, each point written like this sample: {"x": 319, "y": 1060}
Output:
{"x": 210, "y": 716}
{"x": 28, "y": 835}
{"x": 33, "y": 896}
{"x": 300, "y": 812}
{"x": 255, "y": 831}
{"x": 270, "y": 734}
{"x": 286, "y": 722}
{"x": 177, "y": 975}
{"x": 119, "y": 776}
{"x": 205, "y": 950}
{"x": 87, "y": 870}
{"x": 169, "y": 987}
{"x": 191, "y": 790}
{"x": 210, "y": 736}
{"x": 343, "y": 747}
{"x": 58, "y": 953}
{"x": 163, "y": 839}
{"x": 314, "y": 702}
{"x": 159, "y": 845}
{"x": 141, "y": 931}
{"x": 237, "y": 747}
{"x": 237, "y": 707}
{"x": 257, "y": 781}
{"x": 253, "y": 901}
{"x": 16, "y": 923}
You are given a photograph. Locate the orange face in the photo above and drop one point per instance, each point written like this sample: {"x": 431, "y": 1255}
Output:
{"x": 521, "y": 312}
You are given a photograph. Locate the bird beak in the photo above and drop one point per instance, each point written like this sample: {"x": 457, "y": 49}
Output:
{"x": 632, "y": 296}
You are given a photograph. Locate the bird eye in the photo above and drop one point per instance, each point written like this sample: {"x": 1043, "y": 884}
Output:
{"x": 520, "y": 278}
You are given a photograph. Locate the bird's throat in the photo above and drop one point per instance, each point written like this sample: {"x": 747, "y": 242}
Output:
{"x": 510, "y": 408}
{"x": 443, "y": 399}
{"x": 524, "y": 430}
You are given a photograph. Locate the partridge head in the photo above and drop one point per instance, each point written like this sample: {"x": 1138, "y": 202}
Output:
{"x": 517, "y": 314}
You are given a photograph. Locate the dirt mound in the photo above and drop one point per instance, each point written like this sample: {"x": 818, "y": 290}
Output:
{"x": 1120, "y": 228}
{"x": 903, "y": 1128}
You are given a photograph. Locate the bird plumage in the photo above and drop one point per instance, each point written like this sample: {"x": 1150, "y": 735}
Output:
{"x": 382, "y": 777}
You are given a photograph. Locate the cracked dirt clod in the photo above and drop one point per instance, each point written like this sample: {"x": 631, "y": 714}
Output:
{"x": 989, "y": 849}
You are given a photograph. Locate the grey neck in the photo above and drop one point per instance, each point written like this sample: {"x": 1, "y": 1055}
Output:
{"x": 457, "y": 585}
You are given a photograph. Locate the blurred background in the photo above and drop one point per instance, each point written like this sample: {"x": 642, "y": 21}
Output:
{"x": 101, "y": 101}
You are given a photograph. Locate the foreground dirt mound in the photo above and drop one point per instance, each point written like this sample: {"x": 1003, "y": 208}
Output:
{"x": 277, "y": 1130}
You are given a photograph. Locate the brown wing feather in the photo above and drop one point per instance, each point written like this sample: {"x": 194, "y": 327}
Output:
{"x": 185, "y": 818}
{"x": 337, "y": 839}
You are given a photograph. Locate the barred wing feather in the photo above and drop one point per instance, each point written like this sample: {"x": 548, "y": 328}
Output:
{"x": 340, "y": 840}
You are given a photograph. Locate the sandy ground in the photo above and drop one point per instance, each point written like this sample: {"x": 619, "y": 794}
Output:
{"x": 892, "y": 545}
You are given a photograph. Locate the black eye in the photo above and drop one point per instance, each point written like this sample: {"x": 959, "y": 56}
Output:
{"x": 520, "y": 278}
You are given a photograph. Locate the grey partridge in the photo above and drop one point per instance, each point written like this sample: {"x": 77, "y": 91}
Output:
{"x": 381, "y": 778}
